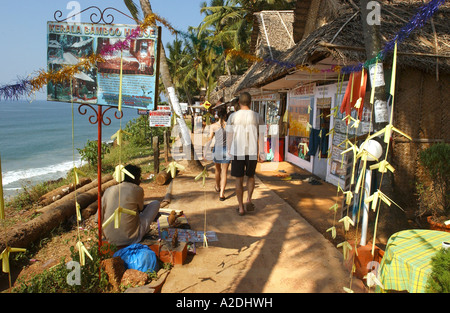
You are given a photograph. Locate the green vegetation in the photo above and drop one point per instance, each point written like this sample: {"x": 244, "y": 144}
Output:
{"x": 439, "y": 280}
{"x": 55, "y": 279}
{"x": 90, "y": 152}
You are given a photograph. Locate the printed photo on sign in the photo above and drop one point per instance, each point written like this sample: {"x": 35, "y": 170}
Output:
{"x": 65, "y": 50}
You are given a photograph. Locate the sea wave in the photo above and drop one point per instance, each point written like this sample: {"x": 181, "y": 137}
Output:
{"x": 10, "y": 177}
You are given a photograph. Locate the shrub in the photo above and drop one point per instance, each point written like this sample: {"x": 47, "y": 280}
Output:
{"x": 90, "y": 152}
{"x": 439, "y": 280}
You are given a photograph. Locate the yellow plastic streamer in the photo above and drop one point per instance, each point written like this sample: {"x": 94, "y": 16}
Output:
{"x": 394, "y": 70}
{"x": 120, "y": 84}
{"x": 203, "y": 175}
{"x": 119, "y": 173}
{"x": 83, "y": 252}
{"x": 383, "y": 167}
{"x": 116, "y": 217}
{"x": 4, "y": 256}
{"x": 119, "y": 135}
{"x": 346, "y": 247}
{"x": 333, "y": 231}
{"x": 2, "y": 200}
{"x": 172, "y": 168}
{"x": 77, "y": 172}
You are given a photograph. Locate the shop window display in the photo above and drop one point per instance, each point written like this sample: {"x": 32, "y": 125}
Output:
{"x": 300, "y": 119}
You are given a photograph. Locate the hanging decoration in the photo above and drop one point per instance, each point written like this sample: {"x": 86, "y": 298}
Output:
{"x": 370, "y": 150}
{"x": 25, "y": 87}
{"x": 82, "y": 251}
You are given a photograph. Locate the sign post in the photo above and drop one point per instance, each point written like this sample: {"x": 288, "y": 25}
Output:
{"x": 132, "y": 68}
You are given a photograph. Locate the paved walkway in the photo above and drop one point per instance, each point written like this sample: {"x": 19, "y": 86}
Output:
{"x": 272, "y": 249}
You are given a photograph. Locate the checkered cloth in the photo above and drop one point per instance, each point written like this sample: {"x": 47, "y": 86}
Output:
{"x": 406, "y": 264}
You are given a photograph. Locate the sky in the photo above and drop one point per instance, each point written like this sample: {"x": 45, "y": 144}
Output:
{"x": 23, "y": 28}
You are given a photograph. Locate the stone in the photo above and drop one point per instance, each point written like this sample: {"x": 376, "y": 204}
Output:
{"x": 115, "y": 269}
{"x": 134, "y": 278}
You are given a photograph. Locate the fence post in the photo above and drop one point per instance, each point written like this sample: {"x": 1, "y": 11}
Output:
{"x": 166, "y": 146}
{"x": 156, "y": 154}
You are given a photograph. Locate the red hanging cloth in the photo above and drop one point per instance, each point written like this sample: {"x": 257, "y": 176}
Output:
{"x": 359, "y": 91}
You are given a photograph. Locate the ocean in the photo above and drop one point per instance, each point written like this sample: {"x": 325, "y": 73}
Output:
{"x": 36, "y": 140}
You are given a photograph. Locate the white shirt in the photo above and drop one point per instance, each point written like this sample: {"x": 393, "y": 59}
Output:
{"x": 243, "y": 128}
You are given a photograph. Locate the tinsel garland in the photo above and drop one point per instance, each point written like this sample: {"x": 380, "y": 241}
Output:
{"x": 422, "y": 16}
{"x": 24, "y": 87}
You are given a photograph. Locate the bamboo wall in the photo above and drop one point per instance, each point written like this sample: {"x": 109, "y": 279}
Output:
{"x": 421, "y": 110}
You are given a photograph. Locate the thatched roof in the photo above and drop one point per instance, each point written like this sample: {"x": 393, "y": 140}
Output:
{"x": 275, "y": 33}
{"x": 275, "y": 36}
{"x": 342, "y": 40}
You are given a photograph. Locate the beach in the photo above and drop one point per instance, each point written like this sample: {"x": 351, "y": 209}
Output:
{"x": 36, "y": 140}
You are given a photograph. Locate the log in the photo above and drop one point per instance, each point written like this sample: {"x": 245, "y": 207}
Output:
{"x": 71, "y": 196}
{"x": 23, "y": 235}
{"x": 60, "y": 192}
{"x": 92, "y": 208}
{"x": 162, "y": 178}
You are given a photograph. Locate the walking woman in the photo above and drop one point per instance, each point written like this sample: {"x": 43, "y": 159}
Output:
{"x": 220, "y": 158}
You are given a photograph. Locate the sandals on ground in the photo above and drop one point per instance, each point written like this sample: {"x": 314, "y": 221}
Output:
{"x": 240, "y": 213}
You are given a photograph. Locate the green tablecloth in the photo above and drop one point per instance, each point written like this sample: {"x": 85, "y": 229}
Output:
{"x": 406, "y": 264}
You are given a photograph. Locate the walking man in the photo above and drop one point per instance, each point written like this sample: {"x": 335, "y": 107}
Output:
{"x": 245, "y": 149}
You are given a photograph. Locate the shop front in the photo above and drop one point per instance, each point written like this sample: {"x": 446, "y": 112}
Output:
{"x": 338, "y": 163}
{"x": 300, "y": 118}
{"x": 270, "y": 107}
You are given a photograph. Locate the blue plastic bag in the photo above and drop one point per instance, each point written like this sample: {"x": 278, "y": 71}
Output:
{"x": 139, "y": 257}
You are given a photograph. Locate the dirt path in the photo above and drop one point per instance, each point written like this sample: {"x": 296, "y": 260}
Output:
{"x": 272, "y": 249}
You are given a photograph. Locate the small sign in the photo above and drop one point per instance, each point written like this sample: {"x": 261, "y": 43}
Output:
{"x": 142, "y": 112}
{"x": 161, "y": 117}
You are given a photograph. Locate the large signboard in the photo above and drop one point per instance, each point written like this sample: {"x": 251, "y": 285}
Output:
{"x": 69, "y": 43}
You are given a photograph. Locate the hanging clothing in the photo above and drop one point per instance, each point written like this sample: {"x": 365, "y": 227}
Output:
{"x": 323, "y": 142}
{"x": 314, "y": 141}
{"x": 352, "y": 95}
{"x": 318, "y": 141}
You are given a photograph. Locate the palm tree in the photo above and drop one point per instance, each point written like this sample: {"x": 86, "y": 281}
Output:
{"x": 176, "y": 62}
{"x": 219, "y": 23}
{"x": 146, "y": 8}
{"x": 202, "y": 64}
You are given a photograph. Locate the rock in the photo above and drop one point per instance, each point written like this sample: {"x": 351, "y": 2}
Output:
{"x": 115, "y": 269}
{"x": 134, "y": 278}
{"x": 154, "y": 286}
{"x": 158, "y": 283}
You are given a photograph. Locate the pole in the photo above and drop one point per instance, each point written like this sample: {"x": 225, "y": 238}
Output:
{"x": 365, "y": 219}
{"x": 99, "y": 175}
{"x": 98, "y": 118}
